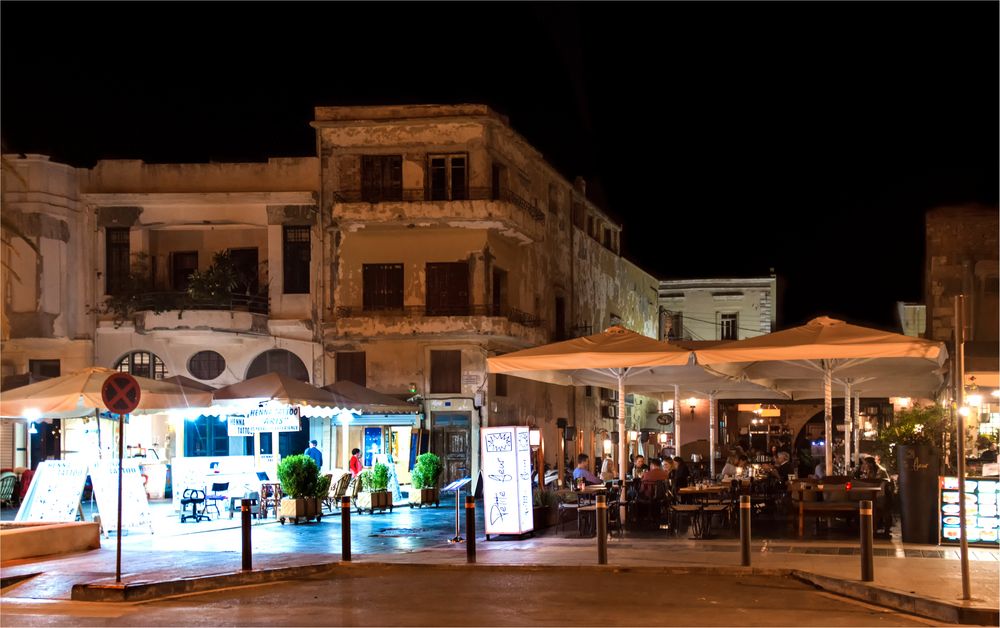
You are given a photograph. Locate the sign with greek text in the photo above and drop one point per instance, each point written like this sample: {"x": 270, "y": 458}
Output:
{"x": 506, "y": 467}
{"x": 54, "y": 492}
{"x": 276, "y": 419}
{"x": 135, "y": 506}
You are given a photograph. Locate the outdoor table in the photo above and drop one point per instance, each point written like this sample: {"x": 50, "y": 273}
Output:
{"x": 702, "y": 493}
{"x": 828, "y": 507}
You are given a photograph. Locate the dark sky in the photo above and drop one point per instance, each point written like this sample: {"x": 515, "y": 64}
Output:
{"x": 728, "y": 138}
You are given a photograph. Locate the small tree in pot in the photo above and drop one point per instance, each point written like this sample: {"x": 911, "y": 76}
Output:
{"x": 425, "y": 479}
{"x": 374, "y": 489}
{"x": 303, "y": 488}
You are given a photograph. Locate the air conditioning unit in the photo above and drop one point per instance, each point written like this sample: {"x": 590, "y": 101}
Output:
{"x": 609, "y": 412}
{"x": 609, "y": 394}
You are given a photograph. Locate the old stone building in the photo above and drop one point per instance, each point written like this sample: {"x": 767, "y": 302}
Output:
{"x": 718, "y": 309}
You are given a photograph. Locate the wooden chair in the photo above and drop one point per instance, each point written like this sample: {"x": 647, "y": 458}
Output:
{"x": 337, "y": 491}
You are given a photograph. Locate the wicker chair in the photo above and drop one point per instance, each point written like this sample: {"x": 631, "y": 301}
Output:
{"x": 337, "y": 491}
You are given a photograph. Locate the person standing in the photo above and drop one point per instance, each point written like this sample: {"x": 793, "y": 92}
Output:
{"x": 355, "y": 463}
{"x": 314, "y": 453}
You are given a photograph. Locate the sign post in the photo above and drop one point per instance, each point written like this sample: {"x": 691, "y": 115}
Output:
{"x": 121, "y": 395}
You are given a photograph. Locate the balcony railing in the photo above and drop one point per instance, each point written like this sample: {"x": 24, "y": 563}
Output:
{"x": 410, "y": 195}
{"x": 166, "y": 301}
{"x": 424, "y": 311}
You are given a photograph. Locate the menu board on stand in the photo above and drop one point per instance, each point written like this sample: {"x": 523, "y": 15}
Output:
{"x": 54, "y": 493}
{"x": 507, "y": 499}
{"x": 982, "y": 523}
{"x": 135, "y": 506}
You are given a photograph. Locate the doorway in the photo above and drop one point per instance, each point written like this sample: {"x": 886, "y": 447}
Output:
{"x": 246, "y": 265}
{"x": 451, "y": 442}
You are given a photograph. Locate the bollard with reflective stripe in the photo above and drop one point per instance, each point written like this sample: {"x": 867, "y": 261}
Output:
{"x": 745, "y": 530}
{"x": 602, "y": 530}
{"x": 470, "y": 528}
{"x": 345, "y": 528}
{"x": 867, "y": 561}
{"x": 245, "y": 522}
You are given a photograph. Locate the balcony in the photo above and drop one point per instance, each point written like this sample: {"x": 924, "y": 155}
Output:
{"x": 472, "y": 320}
{"x": 178, "y": 310}
{"x": 479, "y": 208}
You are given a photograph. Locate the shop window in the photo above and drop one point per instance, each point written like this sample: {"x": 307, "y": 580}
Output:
{"x": 278, "y": 361}
{"x": 448, "y": 177}
{"x": 206, "y": 436}
{"x": 43, "y": 369}
{"x": 446, "y": 371}
{"x": 383, "y": 287}
{"x": 381, "y": 178}
{"x": 206, "y": 365}
{"x": 500, "y": 388}
{"x": 447, "y": 289}
{"x": 116, "y": 261}
{"x": 142, "y": 364}
{"x": 727, "y": 326}
{"x": 183, "y": 264}
{"x": 295, "y": 256}
{"x": 351, "y": 366}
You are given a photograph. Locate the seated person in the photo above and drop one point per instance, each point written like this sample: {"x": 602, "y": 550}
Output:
{"x": 743, "y": 468}
{"x": 871, "y": 470}
{"x": 729, "y": 471}
{"x": 651, "y": 477}
{"x": 581, "y": 471}
{"x": 820, "y": 471}
{"x": 681, "y": 476}
{"x": 784, "y": 466}
{"x": 990, "y": 455}
{"x": 639, "y": 466}
{"x": 608, "y": 469}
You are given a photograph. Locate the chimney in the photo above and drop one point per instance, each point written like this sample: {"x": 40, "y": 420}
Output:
{"x": 581, "y": 186}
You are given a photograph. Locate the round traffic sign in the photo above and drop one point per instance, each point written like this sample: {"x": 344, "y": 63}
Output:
{"x": 121, "y": 393}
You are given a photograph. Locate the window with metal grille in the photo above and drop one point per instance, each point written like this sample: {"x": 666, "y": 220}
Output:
{"x": 44, "y": 369}
{"x": 142, "y": 364}
{"x": 206, "y": 365}
{"x": 116, "y": 261}
{"x": 500, "y": 389}
{"x": 447, "y": 289}
{"x": 381, "y": 178}
{"x": 296, "y": 259}
{"x": 352, "y": 367}
{"x": 728, "y": 326}
{"x": 448, "y": 177}
{"x": 382, "y": 287}
{"x": 206, "y": 436}
{"x": 278, "y": 361}
{"x": 446, "y": 371}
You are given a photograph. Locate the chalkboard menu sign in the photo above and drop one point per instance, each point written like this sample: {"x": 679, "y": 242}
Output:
{"x": 135, "y": 511}
{"x": 982, "y": 523}
{"x": 507, "y": 503}
{"x": 54, "y": 492}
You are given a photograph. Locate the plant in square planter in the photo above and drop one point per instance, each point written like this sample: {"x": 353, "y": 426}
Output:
{"x": 374, "y": 493}
{"x": 425, "y": 478}
{"x": 303, "y": 487}
{"x": 545, "y": 512}
{"x": 911, "y": 447}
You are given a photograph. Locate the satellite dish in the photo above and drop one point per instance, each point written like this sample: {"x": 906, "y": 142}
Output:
{"x": 665, "y": 418}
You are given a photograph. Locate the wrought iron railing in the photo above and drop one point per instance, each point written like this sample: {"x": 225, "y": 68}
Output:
{"x": 166, "y": 301}
{"x": 423, "y": 311}
{"x": 410, "y": 195}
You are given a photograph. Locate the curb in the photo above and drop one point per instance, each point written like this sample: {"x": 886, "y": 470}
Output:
{"x": 955, "y": 613}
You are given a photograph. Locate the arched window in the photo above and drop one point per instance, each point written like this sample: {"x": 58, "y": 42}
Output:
{"x": 278, "y": 361}
{"x": 142, "y": 364}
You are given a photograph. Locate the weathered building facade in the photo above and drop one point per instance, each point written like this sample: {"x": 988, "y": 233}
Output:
{"x": 718, "y": 309}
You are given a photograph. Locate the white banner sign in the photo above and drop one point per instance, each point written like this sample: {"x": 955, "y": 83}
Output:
{"x": 54, "y": 492}
{"x": 135, "y": 506}
{"x": 506, "y": 455}
{"x": 279, "y": 419}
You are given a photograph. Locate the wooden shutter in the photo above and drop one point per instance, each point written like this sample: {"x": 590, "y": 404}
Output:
{"x": 382, "y": 287}
{"x": 448, "y": 289}
{"x": 446, "y": 371}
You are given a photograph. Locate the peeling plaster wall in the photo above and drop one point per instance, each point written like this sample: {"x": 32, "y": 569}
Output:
{"x": 134, "y": 176}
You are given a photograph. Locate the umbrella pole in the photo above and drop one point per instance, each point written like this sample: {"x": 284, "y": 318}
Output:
{"x": 677, "y": 420}
{"x": 711, "y": 434}
{"x": 118, "y": 529}
{"x": 622, "y": 435}
{"x": 848, "y": 428}
{"x": 857, "y": 427}
{"x": 828, "y": 417}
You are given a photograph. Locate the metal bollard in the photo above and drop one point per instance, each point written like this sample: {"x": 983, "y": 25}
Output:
{"x": 470, "y": 528}
{"x": 245, "y": 520}
{"x": 867, "y": 561}
{"x": 602, "y": 530}
{"x": 745, "y": 530}
{"x": 345, "y": 529}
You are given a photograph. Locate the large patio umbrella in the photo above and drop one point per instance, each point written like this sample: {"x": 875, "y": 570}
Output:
{"x": 367, "y": 400}
{"x": 79, "y": 394}
{"x": 827, "y": 347}
{"x": 610, "y": 359}
{"x": 281, "y": 389}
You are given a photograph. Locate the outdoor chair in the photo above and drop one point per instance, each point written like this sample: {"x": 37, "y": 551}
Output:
{"x": 217, "y": 495}
{"x": 193, "y": 497}
{"x": 569, "y": 504}
{"x": 337, "y": 491}
{"x": 353, "y": 490}
{"x": 7, "y": 483}
{"x": 686, "y": 514}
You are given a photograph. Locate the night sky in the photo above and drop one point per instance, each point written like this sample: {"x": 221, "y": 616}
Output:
{"x": 728, "y": 138}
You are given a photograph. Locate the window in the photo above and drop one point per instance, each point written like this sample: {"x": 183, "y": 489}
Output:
{"x": 727, "y": 327}
{"x": 247, "y": 270}
{"x": 498, "y": 304}
{"x": 183, "y": 264}
{"x": 296, "y": 259}
{"x": 588, "y": 391}
{"x": 206, "y": 365}
{"x": 578, "y": 215}
{"x": 383, "y": 286}
{"x": 553, "y": 199}
{"x": 496, "y": 181}
{"x": 609, "y": 238}
{"x": 116, "y": 263}
{"x": 447, "y": 289}
{"x": 676, "y": 326}
{"x": 500, "y": 389}
{"x": 351, "y": 367}
{"x": 560, "y": 315}
{"x": 43, "y": 369}
{"x": 142, "y": 364}
{"x": 448, "y": 180}
{"x": 381, "y": 178}
{"x": 206, "y": 436}
{"x": 446, "y": 371}
{"x": 278, "y": 361}
{"x": 590, "y": 226}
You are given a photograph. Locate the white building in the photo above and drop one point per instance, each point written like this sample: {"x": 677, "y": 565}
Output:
{"x": 718, "y": 309}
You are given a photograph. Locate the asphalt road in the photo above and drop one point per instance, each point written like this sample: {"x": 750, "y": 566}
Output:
{"x": 389, "y": 596}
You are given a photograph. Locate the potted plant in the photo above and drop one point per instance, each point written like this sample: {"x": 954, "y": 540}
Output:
{"x": 303, "y": 488}
{"x": 546, "y": 505}
{"x": 425, "y": 477}
{"x": 215, "y": 284}
{"x": 374, "y": 493}
{"x": 911, "y": 447}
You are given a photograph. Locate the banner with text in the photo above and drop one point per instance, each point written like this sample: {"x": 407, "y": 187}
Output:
{"x": 279, "y": 419}
{"x": 507, "y": 504}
